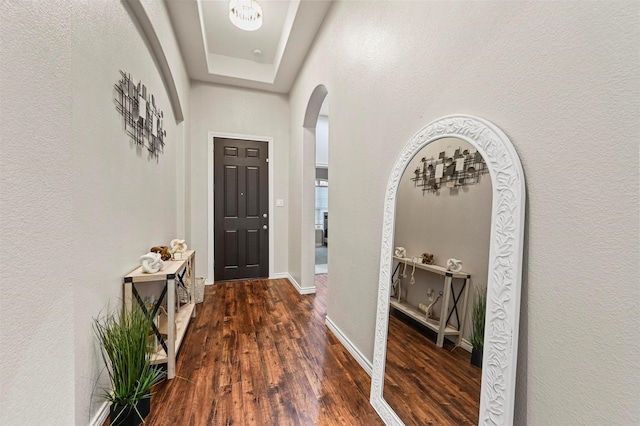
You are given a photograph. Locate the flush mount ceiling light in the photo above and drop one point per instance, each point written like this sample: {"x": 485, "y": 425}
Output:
{"x": 245, "y": 14}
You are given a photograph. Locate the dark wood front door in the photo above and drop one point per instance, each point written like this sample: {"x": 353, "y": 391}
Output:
{"x": 241, "y": 197}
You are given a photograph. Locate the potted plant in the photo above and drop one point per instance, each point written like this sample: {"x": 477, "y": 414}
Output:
{"x": 477, "y": 324}
{"x": 127, "y": 357}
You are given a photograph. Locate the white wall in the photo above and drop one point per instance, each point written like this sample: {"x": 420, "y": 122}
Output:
{"x": 450, "y": 224}
{"x": 226, "y": 109}
{"x": 159, "y": 17}
{"x": 322, "y": 140}
{"x": 561, "y": 80}
{"x": 36, "y": 210}
{"x": 79, "y": 202}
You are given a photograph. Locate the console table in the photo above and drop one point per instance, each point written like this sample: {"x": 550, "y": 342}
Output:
{"x": 174, "y": 271}
{"x": 442, "y": 326}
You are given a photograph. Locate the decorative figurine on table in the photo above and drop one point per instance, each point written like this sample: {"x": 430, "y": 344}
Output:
{"x": 151, "y": 262}
{"x": 454, "y": 265}
{"x": 163, "y": 250}
{"x": 177, "y": 248}
{"x": 400, "y": 252}
{"x": 427, "y": 258}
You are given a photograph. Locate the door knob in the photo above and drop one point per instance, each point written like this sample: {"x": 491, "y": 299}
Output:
{"x": 264, "y": 215}
{"x": 265, "y": 227}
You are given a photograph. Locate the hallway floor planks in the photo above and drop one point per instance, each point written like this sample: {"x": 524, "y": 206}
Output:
{"x": 428, "y": 385}
{"x": 258, "y": 353}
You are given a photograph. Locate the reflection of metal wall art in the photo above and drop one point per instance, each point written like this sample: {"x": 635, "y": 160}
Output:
{"x": 142, "y": 120}
{"x": 462, "y": 169}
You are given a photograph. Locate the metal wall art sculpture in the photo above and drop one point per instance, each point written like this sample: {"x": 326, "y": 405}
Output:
{"x": 142, "y": 120}
{"x": 462, "y": 169}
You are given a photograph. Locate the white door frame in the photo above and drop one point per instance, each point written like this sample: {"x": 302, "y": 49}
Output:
{"x": 210, "y": 206}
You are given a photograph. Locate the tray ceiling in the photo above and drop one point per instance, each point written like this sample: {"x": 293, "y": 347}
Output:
{"x": 215, "y": 51}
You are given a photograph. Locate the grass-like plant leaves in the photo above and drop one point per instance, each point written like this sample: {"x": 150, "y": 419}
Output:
{"x": 478, "y": 316}
{"x": 127, "y": 356}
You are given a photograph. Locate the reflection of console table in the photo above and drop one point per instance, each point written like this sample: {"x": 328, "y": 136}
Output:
{"x": 173, "y": 271}
{"x": 441, "y": 326}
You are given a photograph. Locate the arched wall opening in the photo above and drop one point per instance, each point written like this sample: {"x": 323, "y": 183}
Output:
{"x": 307, "y": 231}
{"x": 321, "y": 210}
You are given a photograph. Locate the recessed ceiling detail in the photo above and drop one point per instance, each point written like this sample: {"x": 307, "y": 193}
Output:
{"x": 217, "y": 51}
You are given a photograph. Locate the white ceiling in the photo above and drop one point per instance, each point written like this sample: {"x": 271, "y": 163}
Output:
{"x": 215, "y": 51}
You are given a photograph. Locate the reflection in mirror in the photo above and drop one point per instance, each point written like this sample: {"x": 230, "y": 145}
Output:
{"x": 443, "y": 211}
{"x": 468, "y": 228}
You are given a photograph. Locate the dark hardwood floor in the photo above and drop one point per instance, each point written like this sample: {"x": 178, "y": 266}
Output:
{"x": 259, "y": 353}
{"x": 427, "y": 385}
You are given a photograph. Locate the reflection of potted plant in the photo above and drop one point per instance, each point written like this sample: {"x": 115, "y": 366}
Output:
{"x": 477, "y": 324}
{"x": 127, "y": 357}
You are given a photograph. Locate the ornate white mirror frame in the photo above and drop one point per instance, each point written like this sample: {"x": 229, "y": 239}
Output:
{"x": 505, "y": 264}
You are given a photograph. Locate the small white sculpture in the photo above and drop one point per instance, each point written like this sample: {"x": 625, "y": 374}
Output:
{"x": 454, "y": 265}
{"x": 151, "y": 262}
{"x": 401, "y": 252}
{"x": 178, "y": 246}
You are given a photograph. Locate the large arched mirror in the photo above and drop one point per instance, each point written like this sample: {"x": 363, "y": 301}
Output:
{"x": 456, "y": 193}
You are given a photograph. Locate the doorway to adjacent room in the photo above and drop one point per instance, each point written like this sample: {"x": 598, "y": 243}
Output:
{"x": 322, "y": 190}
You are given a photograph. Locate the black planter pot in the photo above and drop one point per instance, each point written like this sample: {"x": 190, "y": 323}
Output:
{"x": 476, "y": 357}
{"x": 126, "y": 415}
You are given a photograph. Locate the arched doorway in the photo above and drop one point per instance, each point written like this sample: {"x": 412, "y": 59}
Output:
{"x": 308, "y": 228}
{"x": 321, "y": 211}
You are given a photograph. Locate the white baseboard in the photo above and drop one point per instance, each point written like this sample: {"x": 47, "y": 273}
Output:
{"x": 364, "y": 362}
{"x": 301, "y": 290}
{"x": 279, "y": 275}
{"x": 464, "y": 344}
{"x": 101, "y": 415}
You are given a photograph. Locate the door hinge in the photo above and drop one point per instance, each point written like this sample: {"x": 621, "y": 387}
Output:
{"x": 267, "y": 160}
